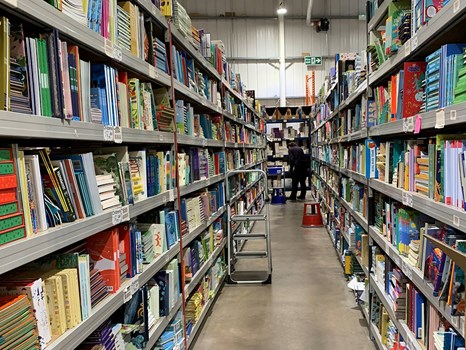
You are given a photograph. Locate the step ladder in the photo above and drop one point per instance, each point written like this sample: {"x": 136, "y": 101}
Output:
{"x": 239, "y": 227}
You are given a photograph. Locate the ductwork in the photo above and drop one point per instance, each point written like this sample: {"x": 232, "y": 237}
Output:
{"x": 309, "y": 11}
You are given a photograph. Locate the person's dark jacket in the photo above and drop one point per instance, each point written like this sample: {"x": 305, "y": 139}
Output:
{"x": 297, "y": 159}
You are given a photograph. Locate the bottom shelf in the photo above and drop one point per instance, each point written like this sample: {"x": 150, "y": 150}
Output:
{"x": 205, "y": 310}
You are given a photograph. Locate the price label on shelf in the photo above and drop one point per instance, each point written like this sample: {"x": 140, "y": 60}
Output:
{"x": 117, "y": 54}
{"x": 109, "y": 134}
{"x": 407, "y": 47}
{"x": 134, "y": 284}
{"x": 456, "y": 6}
{"x": 397, "y": 260}
{"x": 127, "y": 294}
{"x": 117, "y": 216}
{"x": 125, "y": 213}
{"x": 414, "y": 42}
{"x": 164, "y": 200}
{"x": 204, "y": 142}
{"x": 410, "y": 122}
{"x": 153, "y": 72}
{"x": 160, "y": 138}
{"x": 117, "y": 134}
{"x": 405, "y": 124}
{"x": 456, "y": 221}
{"x": 108, "y": 48}
{"x": 440, "y": 119}
{"x": 453, "y": 114}
{"x": 407, "y": 198}
{"x": 171, "y": 195}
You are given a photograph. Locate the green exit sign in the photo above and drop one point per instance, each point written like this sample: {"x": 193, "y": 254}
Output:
{"x": 313, "y": 60}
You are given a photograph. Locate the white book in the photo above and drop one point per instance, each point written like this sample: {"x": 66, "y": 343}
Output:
{"x": 33, "y": 170}
{"x": 107, "y": 188}
{"x": 85, "y": 88}
{"x": 89, "y": 170}
{"x": 111, "y": 203}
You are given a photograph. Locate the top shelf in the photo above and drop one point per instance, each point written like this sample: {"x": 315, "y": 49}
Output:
{"x": 430, "y": 37}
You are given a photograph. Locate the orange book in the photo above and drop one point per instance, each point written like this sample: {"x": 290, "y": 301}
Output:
{"x": 103, "y": 249}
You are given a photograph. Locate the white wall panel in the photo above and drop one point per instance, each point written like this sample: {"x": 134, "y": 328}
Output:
{"x": 258, "y": 38}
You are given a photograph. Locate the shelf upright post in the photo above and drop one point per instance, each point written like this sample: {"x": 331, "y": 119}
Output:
{"x": 177, "y": 178}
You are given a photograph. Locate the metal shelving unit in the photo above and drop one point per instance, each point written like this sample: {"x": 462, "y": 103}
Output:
{"x": 23, "y": 127}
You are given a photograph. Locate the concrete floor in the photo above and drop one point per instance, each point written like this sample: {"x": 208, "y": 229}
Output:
{"x": 307, "y": 307}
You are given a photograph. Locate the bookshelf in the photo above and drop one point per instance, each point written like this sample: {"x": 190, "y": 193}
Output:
{"x": 374, "y": 243}
{"x": 241, "y": 131}
{"x": 284, "y": 125}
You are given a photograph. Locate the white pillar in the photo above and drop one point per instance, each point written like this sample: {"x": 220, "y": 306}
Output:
{"x": 281, "y": 45}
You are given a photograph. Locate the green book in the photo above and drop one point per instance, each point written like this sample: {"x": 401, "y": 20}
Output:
{"x": 431, "y": 150}
{"x": 46, "y": 101}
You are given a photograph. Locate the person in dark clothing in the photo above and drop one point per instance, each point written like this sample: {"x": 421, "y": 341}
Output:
{"x": 298, "y": 170}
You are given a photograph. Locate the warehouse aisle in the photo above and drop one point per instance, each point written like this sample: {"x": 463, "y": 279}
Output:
{"x": 307, "y": 307}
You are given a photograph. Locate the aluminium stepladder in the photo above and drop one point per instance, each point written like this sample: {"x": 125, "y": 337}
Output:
{"x": 241, "y": 234}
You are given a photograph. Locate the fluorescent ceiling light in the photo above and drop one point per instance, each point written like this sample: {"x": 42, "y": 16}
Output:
{"x": 281, "y": 10}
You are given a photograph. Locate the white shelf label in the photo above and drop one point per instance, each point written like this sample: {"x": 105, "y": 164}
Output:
{"x": 171, "y": 195}
{"x": 410, "y": 122}
{"x": 134, "y": 284}
{"x": 117, "y": 54}
{"x": 108, "y": 47}
{"x": 405, "y": 125}
{"x": 118, "y": 135}
{"x": 127, "y": 294}
{"x": 125, "y": 213}
{"x": 117, "y": 216}
{"x": 407, "y": 47}
{"x": 456, "y": 6}
{"x": 455, "y": 321}
{"x": 414, "y": 42}
{"x": 109, "y": 133}
{"x": 160, "y": 138}
{"x": 440, "y": 119}
{"x": 153, "y": 72}
{"x": 453, "y": 114}
{"x": 407, "y": 198}
{"x": 456, "y": 221}
{"x": 204, "y": 142}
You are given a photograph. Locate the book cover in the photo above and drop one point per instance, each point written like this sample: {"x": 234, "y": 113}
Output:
{"x": 413, "y": 90}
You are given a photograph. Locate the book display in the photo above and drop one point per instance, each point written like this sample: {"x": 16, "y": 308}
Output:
{"x": 388, "y": 169}
{"x": 119, "y": 121}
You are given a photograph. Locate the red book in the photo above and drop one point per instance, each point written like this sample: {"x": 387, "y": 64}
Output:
{"x": 413, "y": 91}
{"x": 104, "y": 254}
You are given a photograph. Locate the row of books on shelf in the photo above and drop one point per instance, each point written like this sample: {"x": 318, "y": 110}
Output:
{"x": 41, "y": 188}
{"x": 355, "y": 194}
{"x": 422, "y": 86}
{"x": 431, "y": 167}
{"x": 78, "y": 89}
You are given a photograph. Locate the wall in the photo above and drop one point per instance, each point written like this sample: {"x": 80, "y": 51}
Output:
{"x": 258, "y": 37}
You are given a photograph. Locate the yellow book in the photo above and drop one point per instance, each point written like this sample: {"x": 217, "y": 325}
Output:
{"x": 383, "y": 326}
{"x": 4, "y": 64}
{"x": 55, "y": 304}
{"x": 166, "y": 8}
{"x": 71, "y": 296}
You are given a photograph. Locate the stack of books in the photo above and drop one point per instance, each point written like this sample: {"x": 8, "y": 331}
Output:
{"x": 196, "y": 38}
{"x": 123, "y": 28}
{"x": 160, "y": 55}
{"x": 165, "y": 113}
{"x": 182, "y": 21}
{"x": 18, "y": 323}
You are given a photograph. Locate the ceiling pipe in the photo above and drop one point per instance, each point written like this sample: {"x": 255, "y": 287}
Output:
{"x": 199, "y": 17}
{"x": 308, "y": 15}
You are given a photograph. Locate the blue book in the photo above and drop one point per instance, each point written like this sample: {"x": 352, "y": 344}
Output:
{"x": 447, "y": 51}
{"x": 171, "y": 228}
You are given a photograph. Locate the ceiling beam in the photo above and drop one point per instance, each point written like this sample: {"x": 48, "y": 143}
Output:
{"x": 270, "y": 60}
{"x": 290, "y": 17}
